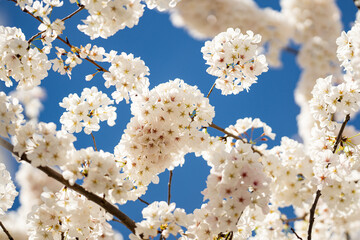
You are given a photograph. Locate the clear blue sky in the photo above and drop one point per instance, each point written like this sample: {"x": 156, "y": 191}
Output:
{"x": 170, "y": 53}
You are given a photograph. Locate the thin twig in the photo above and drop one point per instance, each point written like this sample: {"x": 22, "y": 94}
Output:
{"x": 169, "y": 186}
{"x": 312, "y": 213}
{"x": 211, "y": 89}
{"x": 112, "y": 209}
{"x": 347, "y": 235}
{"x": 92, "y": 135}
{"x": 6, "y": 231}
{"x": 294, "y": 219}
{"x": 212, "y": 125}
{"x": 293, "y": 230}
{"x": 143, "y": 201}
{"x": 339, "y": 137}
{"x": 292, "y": 50}
{"x": 35, "y": 36}
{"x": 81, "y": 7}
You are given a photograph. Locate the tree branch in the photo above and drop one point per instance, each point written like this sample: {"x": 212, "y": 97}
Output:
{"x": 143, "y": 201}
{"x": 312, "y": 213}
{"x": 169, "y": 187}
{"x": 6, "y": 231}
{"x": 128, "y": 222}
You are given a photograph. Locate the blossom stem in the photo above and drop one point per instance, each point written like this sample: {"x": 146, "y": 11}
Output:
{"x": 293, "y": 230}
{"x": 291, "y": 50}
{"x": 143, "y": 201}
{"x": 81, "y": 7}
{"x": 112, "y": 209}
{"x": 35, "y": 36}
{"x": 211, "y": 89}
{"x": 92, "y": 135}
{"x": 312, "y": 213}
{"x": 169, "y": 186}
{"x": 6, "y": 231}
{"x": 339, "y": 137}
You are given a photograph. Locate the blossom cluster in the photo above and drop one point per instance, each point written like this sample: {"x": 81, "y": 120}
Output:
{"x": 100, "y": 174}
{"x": 127, "y": 74}
{"x": 206, "y": 19}
{"x": 7, "y": 190}
{"x": 68, "y": 215}
{"x": 43, "y": 145}
{"x": 233, "y": 58}
{"x": 27, "y": 66}
{"x": 160, "y": 216}
{"x": 11, "y": 116}
{"x": 164, "y": 128}
{"x": 108, "y": 17}
{"x": 87, "y": 111}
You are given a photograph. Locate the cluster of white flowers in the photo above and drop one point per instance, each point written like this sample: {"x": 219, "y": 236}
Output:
{"x": 243, "y": 125}
{"x": 61, "y": 66}
{"x": 31, "y": 100}
{"x": 68, "y": 215}
{"x": 233, "y": 57}
{"x": 87, "y": 111}
{"x": 206, "y": 19}
{"x": 43, "y": 145}
{"x": 328, "y": 100}
{"x": 27, "y": 66}
{"x": 127, "y": 74}
{"x": 161, "y": 217}
{"x": 109, "y": 16}
{"x": 348, "y": 51}
{"x": 161, "y": 5}
{"x": 236, "y": 181}
{"x": 164, "y": 128}
{"x": 316, "y": 26}
{"x": 291, "y": 171}
{"x": 11, "y": 115}
{"x": 100, "y": 174}
{"x": 7, "y": 190}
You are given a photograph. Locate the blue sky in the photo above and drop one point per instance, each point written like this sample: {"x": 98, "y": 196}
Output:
{"x": 170, "y": 53}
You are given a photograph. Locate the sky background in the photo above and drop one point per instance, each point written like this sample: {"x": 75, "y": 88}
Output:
{"x": 170, "y": 53}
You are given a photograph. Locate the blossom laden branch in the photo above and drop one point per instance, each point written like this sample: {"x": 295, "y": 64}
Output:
{"x": 6, "y": 231}
{"x": 128, "y": 222}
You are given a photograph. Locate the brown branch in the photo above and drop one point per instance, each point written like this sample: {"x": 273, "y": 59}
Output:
{"x": 294, "y": 219}
{"x": 6, "y": 231}
{"x": 339, "y": 137}
{"x": 128, "y": 222}
{"x": 291, "y": 50}
{"x": 169, "y": 186}
{"x": 143, "y": 201}
{"x": 212, "y": 125}
{"x": 211, "y": 89}
{"x": 81, "y": 7}
{"x": 293, "y": 230}
{"x": 92, "y": 135}
{"x": 312, "y": 213}
{"x": 35, "y": 36}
